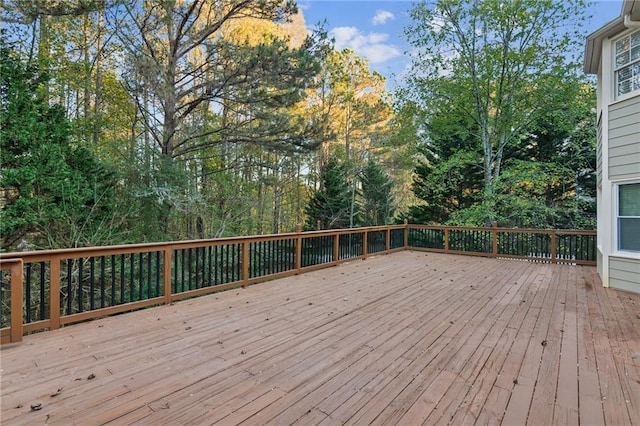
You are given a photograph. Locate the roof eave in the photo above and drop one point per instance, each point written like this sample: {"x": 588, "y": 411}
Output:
{"x": 593, "y": 47}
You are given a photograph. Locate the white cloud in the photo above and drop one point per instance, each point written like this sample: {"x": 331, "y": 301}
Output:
{"x": 381, "y": 17}
{"x": 379, "y": 53}
{"x": 372, "y": 45}
{"x": 343, "y": 36}
{"x": 437, "y": 23}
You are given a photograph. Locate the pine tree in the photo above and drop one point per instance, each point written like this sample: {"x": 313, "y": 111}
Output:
{"x": 54, "y": 192}
{"x": 377, "y": 203}
{"x": 330, "y": 206}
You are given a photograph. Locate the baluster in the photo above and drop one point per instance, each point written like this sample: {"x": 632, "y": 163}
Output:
{"x": 102, "y": 281}
{"x": 43, "y": 292}
{"x": 27, "y": 289}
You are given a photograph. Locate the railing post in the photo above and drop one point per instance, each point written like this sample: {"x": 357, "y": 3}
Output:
{"x": 446, "y": 239}
{"x": 245, "y": 262}
{"x": 336, "y": 248}
{"x": 54, "y": 292}
{"x": 16, "y": 267}
{"x": 406, "y": 234}
{"x": 166, "y": 273}
{"x": 16, "y": 301}
{"x": 494, "y": 235}
{"x": 365, "y": 242}
{"x": 387, "y": 242}
{"x": 298, "y": 248}
{"x": 554, "y": 258}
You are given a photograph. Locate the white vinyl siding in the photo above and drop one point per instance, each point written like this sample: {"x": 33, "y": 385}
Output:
{"x": 624, "y": 139}
{"x": 624, "y": 274}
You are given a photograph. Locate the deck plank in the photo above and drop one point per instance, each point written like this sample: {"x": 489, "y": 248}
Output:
{"x": 524, "y": 384}
{"x": 566, "y": 405}
{"x": 405, "y": 338}
{"x": 625, "y": 339}
{"x": 500, "y": 341}
{"x": 549, "y": 342}
{"x": 589, "y": 397}
{"x": 613, "y": 401}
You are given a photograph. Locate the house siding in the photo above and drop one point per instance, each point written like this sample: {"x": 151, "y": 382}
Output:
{"x": 624, "y": 139}
{"x": 624, "y": 274}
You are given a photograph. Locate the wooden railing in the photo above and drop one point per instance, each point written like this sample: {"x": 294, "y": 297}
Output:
{"x": 536, "y": 245}
{"x": 14, "y": 332}
{"x": 49, "y": 289}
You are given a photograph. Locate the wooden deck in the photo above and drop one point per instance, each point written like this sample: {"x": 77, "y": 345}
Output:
{"x": 409, "y": 338}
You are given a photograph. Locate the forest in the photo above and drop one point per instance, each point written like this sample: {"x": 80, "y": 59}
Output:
{"x": 128, "y": 121}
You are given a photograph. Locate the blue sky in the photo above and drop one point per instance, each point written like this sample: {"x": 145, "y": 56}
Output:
{"x": 374, "y": 29}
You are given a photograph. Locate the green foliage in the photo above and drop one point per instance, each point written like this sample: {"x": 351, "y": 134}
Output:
{"x": 495, "y": 67}
{"x": 448, "y": 176}
{"x": 55, "y": 193}
{"x": 508, "y": 131}
{"x": 528, "y": 195}
{"x": 446, "y": 186}
{"x": 377, "y": 203}
{"x": 330, "y": 206}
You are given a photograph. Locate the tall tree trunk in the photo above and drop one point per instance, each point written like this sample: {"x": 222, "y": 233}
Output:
{"x": 86, "y": 86}
{"x": 277, "y": 198}
{"x": 44, "y": 50}
{"x": 97, "y": 104}
{"x": 261, "y": 202}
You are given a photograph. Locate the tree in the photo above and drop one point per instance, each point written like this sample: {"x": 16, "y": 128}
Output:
{"x": 547, "y": 178}
{"x": 54, "y": 192}
{"x": 180, "y": 63}
{"x": 495, "y": 63}
{"x": 330, "y": 206}
{"x": 556, "y": 164}
{"x": 377, "y": 202}
{"x": 198, "y": 85}
{"x": 445, "y": 186}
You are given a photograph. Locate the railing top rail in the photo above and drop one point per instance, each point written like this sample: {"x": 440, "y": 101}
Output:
{"x": 10, "y": 261}
{"x": 41, "y": 255}
{"x": 576, "y": 232}
{"x": 498, "y": 229}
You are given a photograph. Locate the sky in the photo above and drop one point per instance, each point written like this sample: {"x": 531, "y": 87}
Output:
{"x": 374, "y": 29}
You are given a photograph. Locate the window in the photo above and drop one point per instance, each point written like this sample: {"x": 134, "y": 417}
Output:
{"x": 629, "y": 217}
{"x": 627, "y": 64}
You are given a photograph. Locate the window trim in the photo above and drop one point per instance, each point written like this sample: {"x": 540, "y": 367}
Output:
{"x": 617, "y": 251}
{"x": 614, "y": 68}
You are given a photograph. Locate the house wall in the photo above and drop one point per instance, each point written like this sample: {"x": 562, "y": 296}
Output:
{"x": 624, "y": 274}
{"x": 623, "y": 155}
{"x": 624, "y": 139}
{"x": 618, "y": 162}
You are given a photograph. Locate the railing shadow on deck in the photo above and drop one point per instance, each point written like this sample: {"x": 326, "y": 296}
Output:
{"x": 49, "y": 289}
